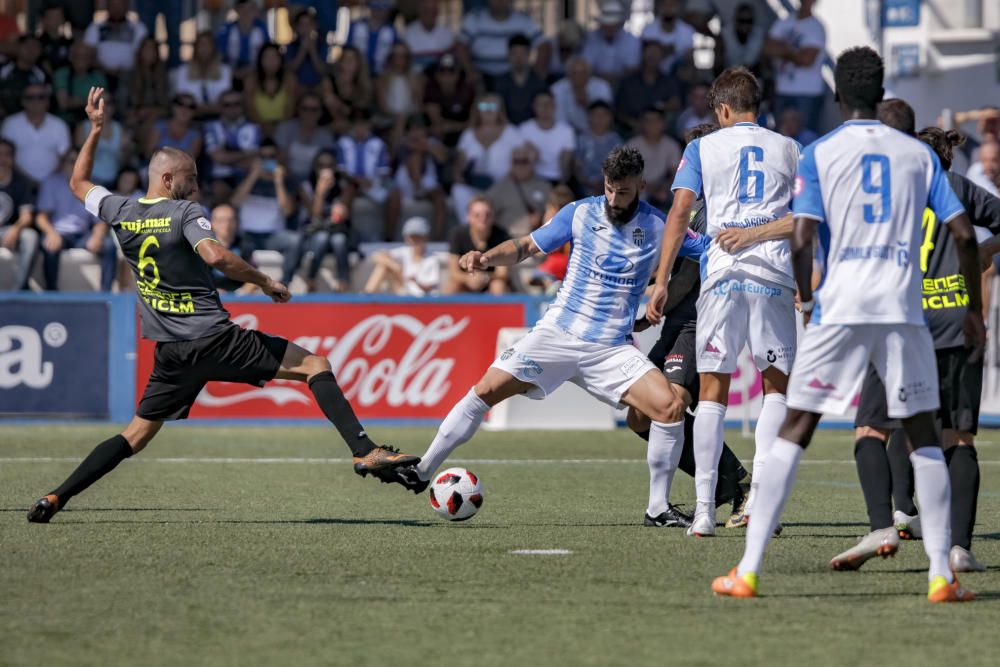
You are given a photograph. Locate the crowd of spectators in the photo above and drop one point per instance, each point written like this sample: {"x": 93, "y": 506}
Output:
{"x": 407, "y": 132}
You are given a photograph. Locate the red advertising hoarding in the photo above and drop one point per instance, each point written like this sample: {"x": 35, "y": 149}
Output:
{"x": 394, "y": 360}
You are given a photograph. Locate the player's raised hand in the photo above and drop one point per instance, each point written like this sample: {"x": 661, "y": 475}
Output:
{"x": 277, "y": 291}
{"x": 734, "y": 239}
{"x": 975, "y": 334}
{"x": 473, "y": 261}
{"x": 95, "y": 108}
{"x": 654, "y": 308}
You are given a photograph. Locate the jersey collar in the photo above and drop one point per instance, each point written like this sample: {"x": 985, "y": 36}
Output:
{"x": 863, "y": 121}
{"x": 143, "y": 200}
{"x": 745, "y": 123}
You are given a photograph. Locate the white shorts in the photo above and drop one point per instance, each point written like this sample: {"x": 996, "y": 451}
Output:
{"x": 735, "y": 309}
{"x": 834, "y": 358}
{"x": 547, "y": 357}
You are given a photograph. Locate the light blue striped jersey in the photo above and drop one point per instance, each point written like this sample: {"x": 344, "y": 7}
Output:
{"x": 609, "y": 267}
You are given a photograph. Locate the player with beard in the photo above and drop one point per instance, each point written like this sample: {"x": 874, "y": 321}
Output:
{"x": 585, "y": 335}
{"x": 882, "y": 459}
{"x": 171, "y": 248}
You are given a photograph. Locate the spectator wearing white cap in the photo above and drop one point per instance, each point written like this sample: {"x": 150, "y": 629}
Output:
{"x": 408, "y": 269}
{"x": 611, "y": 51}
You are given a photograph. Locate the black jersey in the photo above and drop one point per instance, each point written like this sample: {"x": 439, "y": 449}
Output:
{"x": 687, "y": 311}
{"x": 945, "y": 299}
{"x": 158, "y": 238}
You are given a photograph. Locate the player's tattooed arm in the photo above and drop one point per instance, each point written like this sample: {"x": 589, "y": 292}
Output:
{"x": 734, "y": 239}
{"x": 507, "y": 253}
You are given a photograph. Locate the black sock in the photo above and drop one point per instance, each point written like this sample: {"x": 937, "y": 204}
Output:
{"x": 902, "y": 473}
{"x": 731, "y": 471}
{"x": 963, "y": 469}
{"x": 98, "y": 463}
{"x": 876, "y": 480}
{"x": 338, "y": 410}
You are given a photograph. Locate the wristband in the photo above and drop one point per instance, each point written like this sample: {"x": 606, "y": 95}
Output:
{"x": 807, "y": 306}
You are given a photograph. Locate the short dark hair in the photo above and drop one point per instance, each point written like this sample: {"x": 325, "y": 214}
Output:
{"x": 859, "y": 75}
{"x": 623, "y": 162}
{"x": 518, "y": 40}
{"x": 942, "y": 142}
{"x": 699, "y": 131}
{"x": 738, "y": 89}
{"x": 9, "y": 144}
{"x": 898, "y": 115}
{"x": 598, "y": 104}
{"x": 544, "y": 92}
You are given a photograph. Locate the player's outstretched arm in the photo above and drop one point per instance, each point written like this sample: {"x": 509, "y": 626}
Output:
{"x": 507, "y": 253}
{"x": 802, "y": 262}
{"x": 673, "y": 237}
{"x": 968, "y": 261}
{"x": 734, "y": 239}
{"x": 79, "y": 180}
{"x": 233, "y": 267}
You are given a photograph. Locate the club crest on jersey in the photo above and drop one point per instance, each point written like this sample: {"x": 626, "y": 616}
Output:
{"x": 205, "y": 224}
{"x": 638, "y": 237}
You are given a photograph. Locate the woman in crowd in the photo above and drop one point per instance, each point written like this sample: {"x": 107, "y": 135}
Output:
{"x": 269, "y": 91}
{"x": 448, "y": 99}
{"x": 484, "y": 151}
{"x": 347, "y": 87}
{"x": 329, "y": 228}
{"x": 398, "y": 91}
{"x": 205, "y": 77}
{"x": 148, "y": 87}
{"x": 178, "y": 131}
{"x": 302, "y": 138}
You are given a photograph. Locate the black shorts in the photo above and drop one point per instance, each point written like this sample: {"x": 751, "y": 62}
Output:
{"x": 674, "y": 354}
{"x": 960, "y": 385}
{"x": 181, "y": 369}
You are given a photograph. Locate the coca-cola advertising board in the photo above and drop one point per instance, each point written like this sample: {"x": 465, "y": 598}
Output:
{"x": 406, "y": 360}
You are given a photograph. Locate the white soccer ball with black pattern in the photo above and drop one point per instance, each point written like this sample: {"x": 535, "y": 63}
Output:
{"x": 456, "y": 494}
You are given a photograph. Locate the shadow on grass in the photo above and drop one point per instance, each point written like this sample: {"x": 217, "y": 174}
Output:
{"x": 70, "y": 510}
{"x": 825, "y": 524}
{"x": 249, "y": 522}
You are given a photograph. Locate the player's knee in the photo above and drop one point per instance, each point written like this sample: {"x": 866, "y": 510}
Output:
{"x": 314, "y": 364}
{"x": 669, "y": 410}
{"x": 799, "y": 427}
{"x": 870, "y": 432}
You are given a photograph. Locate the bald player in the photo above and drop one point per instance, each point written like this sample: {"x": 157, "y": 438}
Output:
{"x": 171, "y": 248}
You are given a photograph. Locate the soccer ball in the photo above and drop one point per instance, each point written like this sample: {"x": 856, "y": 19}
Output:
{"x": 456, "y": 494}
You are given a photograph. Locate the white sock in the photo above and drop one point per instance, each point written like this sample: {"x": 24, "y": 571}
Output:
{"x": 708, "y": 434}
{"x": 663, "y": 453}
{"x": 775, "y": 486}
{"x": 460, "y": 424}
{"x": 772, "y": 416}
{"x": 930, "y": 477}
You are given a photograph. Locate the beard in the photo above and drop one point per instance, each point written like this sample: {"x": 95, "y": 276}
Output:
{"x": 620, "y": 216}
{"x": 178, "y": 191}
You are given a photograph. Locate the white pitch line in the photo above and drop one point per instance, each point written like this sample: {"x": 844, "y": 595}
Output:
{"x": 338, "y": 461}
{"x": 540, "y": 552}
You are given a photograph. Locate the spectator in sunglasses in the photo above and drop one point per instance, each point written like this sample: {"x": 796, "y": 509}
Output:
{"x": 41, "y": 138}
{"x": 302, "y": 138}
{"x": 178, "y": 131}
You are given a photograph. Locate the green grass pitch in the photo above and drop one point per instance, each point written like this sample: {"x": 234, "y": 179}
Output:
{"x": 187, "y": 555}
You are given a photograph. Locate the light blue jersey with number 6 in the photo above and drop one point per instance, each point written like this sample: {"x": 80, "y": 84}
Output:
{"x": 746, "y": 173}
{"x": 868, "y": 185}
